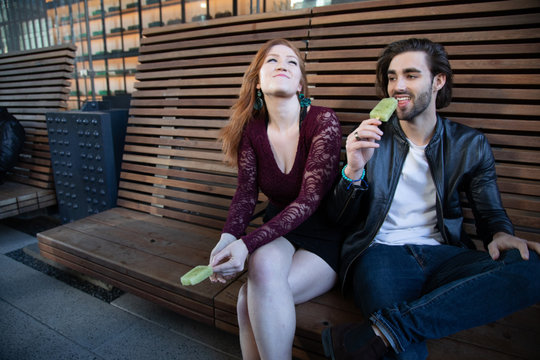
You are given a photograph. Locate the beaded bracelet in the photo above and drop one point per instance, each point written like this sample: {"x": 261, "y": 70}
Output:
{"x": 351, "y": 181}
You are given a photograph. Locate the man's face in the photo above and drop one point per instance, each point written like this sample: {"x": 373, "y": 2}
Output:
{"x": 410, "y": 81}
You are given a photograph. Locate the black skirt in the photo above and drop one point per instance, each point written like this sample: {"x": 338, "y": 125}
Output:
{"x": 316, "y": 235}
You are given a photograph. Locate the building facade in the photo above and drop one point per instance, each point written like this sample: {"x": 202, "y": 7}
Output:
{"x": 107, "y": 33}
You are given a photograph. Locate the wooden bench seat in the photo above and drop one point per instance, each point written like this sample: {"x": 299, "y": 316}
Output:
{"x": 33, "y": 83}
{"x": 175, "y": 191}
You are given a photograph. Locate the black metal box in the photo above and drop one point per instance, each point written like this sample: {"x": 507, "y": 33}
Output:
{"x": 86, "y": 152}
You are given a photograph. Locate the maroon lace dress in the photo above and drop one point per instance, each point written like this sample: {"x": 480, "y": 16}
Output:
{"x": 294, "y": 211}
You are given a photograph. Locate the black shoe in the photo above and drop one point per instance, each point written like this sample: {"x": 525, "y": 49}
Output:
{"x": 352, "y": 342}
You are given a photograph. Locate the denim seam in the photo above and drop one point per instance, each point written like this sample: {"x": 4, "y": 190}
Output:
{"x": 458, "y": 284}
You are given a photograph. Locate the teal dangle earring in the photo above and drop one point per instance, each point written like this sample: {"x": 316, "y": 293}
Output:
{"x": 259, "y": 102}
{"x": 304, "y": 104}
{"x": 304, "y": 101}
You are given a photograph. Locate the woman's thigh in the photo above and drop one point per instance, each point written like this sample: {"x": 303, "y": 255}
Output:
{"x": 310, "y": 276}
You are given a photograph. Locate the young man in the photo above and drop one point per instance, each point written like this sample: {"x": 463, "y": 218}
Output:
{"x": 412, "y": 269}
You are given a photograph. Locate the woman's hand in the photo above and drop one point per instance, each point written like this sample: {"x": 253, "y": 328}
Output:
{"x": 224, "y": 240}
{"x": 228, "y": 260}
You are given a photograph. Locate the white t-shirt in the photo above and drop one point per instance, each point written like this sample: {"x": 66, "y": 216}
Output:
{"x": 412, "y": 218}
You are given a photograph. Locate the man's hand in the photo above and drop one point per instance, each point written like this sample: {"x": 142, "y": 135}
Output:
{"x": 228, "y": 262}
{"x": 503, "y": 241}
{"x": 360, "y": 146}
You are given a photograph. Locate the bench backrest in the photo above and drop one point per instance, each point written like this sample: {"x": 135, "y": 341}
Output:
{"x": 32, "y": 83}
{"x": 189, "y": 75}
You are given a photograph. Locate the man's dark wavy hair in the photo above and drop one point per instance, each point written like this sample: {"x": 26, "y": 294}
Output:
{"x": 437, "y": 61}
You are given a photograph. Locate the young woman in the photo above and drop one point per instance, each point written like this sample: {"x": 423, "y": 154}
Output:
{"x": 290, "y": 151}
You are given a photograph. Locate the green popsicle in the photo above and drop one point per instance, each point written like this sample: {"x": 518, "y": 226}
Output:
{"x": 384, "y": 109}
{"x": 196, "y": 275}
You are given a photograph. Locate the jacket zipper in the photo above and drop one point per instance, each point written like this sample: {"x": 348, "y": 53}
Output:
{"x": 346, "y": 205}
{"x": 394, "y": 186}
{"x": 440, "y": 217}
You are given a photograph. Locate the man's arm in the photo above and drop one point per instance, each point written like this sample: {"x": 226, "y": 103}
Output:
{"x": 344, "y": 203}
{"x": 493, "y": 224}
{"x": 484, "y": 196}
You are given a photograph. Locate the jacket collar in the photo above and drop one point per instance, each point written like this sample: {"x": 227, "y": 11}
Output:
{"x": 394, "y": 123}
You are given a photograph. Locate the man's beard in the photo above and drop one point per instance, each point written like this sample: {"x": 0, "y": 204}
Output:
{"x": 421, "y": 103}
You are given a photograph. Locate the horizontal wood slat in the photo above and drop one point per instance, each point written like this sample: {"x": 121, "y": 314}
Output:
{"x": 33, "y": 83}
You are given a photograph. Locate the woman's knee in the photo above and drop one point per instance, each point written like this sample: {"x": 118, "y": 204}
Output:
{"x": 269, "y": 263}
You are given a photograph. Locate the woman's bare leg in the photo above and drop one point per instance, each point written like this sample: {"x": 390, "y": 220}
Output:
{"x": 278, "y": 278}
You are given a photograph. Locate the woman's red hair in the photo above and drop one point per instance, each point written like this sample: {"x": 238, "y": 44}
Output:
{"x": 242, "y": 111}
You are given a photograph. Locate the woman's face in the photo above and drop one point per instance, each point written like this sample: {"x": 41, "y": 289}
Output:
{"x": 280, "y": 73}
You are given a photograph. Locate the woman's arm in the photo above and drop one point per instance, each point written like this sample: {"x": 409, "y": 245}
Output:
{"x": 318, "y": 177}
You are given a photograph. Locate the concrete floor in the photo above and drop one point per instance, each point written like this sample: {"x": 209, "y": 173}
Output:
{"x": 44, "y": 318}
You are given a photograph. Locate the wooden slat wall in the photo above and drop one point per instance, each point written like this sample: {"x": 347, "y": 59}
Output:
{"x": 189, "y": 75}
{"x": 494, "y": 50}
{"x": 33, "y": 83}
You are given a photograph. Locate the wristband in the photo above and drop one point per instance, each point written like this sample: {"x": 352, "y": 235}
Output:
{"x": 351, "y": 181}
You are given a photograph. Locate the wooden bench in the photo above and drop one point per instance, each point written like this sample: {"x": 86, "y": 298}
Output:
{"x": 33, "y": 83}
{"x": 175, "y": 191}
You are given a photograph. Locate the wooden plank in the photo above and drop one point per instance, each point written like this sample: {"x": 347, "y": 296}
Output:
{"x": 36, "y": 77}
{"x": 425, "y": 25}
{"x": 174, "y": 131}
{"x": 185, "y": 32}
{"x": 201, "y": 154}
{"x": 359, "y": 12}
{"x": 190, "y": 164}
{"x": 43, "y": 89}
{"x": 190, "y": 102}
{"x": 193, "y": 72}
{"x": 129, "y": 284}
{"x": 171, "y": 183}
{"x": 63, "y": 50}
{"x": 250, "y": 35}
{"x": 26, "y": 84}
{"x": 219, "y": 50}
{"x": 181, "y": 122}
{"x": 39, "y": 62}
{"x": 182, "y": 83}
{"x": 51, "y": 71}
{"x": 18, "y": 198}
{"x": 222, "y": 22}
{"x": 16, "y": 104}
{"x": 449, "y": 349}
{"x": 43, "y": 96}
{"x": 156, "y": 262}
{"x": 171, "y": 214}
{"x": 179, "y": 173}
{"x": 32, "y": 83}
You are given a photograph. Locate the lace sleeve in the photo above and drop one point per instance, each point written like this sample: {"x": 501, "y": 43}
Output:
{"x": 245, "y": 197}
{"x": 319, "y": 174}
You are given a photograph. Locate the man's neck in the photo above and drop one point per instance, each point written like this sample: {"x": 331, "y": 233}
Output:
{"x": 420, "y": 129}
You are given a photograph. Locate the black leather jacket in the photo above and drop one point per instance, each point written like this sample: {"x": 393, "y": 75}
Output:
{"x": 460, "y": 160}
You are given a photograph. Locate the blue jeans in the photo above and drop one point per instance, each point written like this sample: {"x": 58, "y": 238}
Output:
{"x": 418, "y": 292}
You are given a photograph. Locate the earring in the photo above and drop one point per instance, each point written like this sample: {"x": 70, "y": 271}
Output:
{"x": 259, "y": 102}
{"x": 304, "y": 101}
